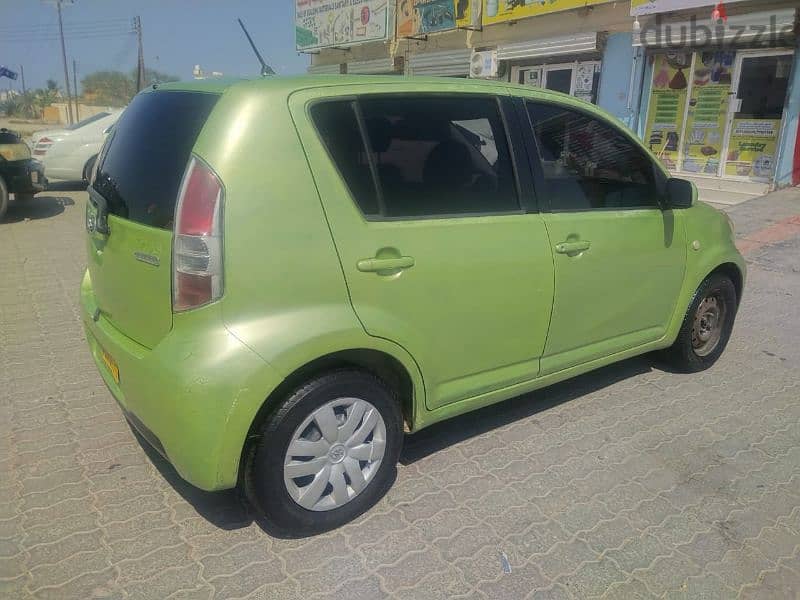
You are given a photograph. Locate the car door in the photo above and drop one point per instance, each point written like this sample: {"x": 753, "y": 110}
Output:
{"x": 438, "y": 254}
{"x": 619, "y": 258}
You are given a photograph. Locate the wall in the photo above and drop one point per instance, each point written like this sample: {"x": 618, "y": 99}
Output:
{"x": 617, "y": 94}
{"x": 784, "y": 174}
{"x": 57, "y": 112}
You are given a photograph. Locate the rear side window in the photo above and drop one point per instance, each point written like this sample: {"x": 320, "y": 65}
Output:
{"x": 147, "y": 154}
{"x": 588, "y": 164}
{"x": 409, "y": 157}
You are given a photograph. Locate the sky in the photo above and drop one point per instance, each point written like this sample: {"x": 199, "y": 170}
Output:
{"x": 177, "y": 34}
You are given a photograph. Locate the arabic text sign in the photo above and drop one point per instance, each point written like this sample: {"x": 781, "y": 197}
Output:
{"x": 497, "y": 11}
{"x": 326, "y": 23}
{"x": 649, "y": 7}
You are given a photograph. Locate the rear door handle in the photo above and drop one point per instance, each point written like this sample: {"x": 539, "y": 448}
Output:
{"x": 373, "y": 265}
{"x": 572, "y": 247}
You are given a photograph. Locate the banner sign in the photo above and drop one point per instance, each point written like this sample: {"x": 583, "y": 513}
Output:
{"x": 667, "y": 106}
{"x": 326, "y": 23}
{"x": 497, "y": 11}
{"x": 708, "y": 111}
{"x": 420, "y": 17}
{"x": 649, "y": 7}
{"x": 753, "y": 147}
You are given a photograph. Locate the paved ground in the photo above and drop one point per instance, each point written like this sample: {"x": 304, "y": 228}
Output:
{"x": 631, "y": 482}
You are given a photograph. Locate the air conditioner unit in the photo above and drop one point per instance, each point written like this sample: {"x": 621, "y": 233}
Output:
{"x": 483, "y": 64}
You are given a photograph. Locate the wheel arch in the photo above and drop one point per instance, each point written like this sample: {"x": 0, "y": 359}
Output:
{"x": 379, "y": 363}
{"x": 732, "y": 271}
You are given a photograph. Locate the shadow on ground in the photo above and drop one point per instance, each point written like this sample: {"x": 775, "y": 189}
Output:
{"x": 42, "y": 206}
{"x": 229, "y": 510}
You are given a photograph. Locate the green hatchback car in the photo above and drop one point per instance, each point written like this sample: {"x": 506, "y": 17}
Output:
{"x": 287, "y": 275}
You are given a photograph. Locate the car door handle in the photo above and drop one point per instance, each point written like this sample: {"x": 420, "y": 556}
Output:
{"x": 572, "y": 247}
{"x": 372, "y": 265}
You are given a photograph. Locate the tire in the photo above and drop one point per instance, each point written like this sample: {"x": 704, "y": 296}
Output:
{"x": 275, "y": 479}
{"x": 3, "y": 198}
{"x": 703, "y": 337}
{"x": 87, "y": 168}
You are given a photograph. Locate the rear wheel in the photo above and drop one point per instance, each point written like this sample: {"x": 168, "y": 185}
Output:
{"x": 3, "y": 198}
{"x": 707, "y": 326}
{"x": 327, "y": 454}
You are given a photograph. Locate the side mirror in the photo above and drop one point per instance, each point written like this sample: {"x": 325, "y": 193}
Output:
{"x": 680, "y": 193}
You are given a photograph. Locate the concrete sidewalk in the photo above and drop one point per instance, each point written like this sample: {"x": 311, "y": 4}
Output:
{"x": 629, "y": 482}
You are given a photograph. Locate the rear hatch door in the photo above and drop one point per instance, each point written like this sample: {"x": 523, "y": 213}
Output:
{"x": 131, "y": 209}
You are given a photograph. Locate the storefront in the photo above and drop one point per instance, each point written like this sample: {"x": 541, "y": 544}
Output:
{"x": 569, "y": 64}
{"x": 715, "y": 104}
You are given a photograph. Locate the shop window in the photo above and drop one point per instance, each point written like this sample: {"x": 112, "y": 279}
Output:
{"x": 588, "y": 164}
{"x": 432, "y": 156}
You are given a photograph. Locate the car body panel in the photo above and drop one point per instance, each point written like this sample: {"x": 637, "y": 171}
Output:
{"x": 483, "y": 284}
{"x": 287, "y": 300}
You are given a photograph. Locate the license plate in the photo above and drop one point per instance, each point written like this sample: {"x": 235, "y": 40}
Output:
{"x": 34, "y": 176}
{"x": 111, "y": 364}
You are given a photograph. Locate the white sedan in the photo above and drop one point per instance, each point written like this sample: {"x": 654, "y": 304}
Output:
{"x": 68, "y": 154}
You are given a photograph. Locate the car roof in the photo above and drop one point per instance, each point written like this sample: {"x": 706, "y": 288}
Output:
{"x": 289, "y": 84}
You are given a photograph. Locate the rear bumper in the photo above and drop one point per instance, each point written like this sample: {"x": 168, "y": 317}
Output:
{"x": 193, "y": 396}
{"x": 17, "y": 176}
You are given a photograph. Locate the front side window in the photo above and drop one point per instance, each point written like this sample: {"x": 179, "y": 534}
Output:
{"x": 588, "y": 164}
{"x": 417, "y": 156}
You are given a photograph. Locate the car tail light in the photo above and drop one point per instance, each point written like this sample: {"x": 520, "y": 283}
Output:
{"x": 197, "y": 246}
{"x": 41, "y": 146}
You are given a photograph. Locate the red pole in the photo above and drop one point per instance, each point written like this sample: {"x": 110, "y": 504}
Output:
{"x": 796, "y": 166}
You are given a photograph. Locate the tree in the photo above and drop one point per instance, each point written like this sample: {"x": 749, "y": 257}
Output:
{"x": 115, "y": 88}
{"x": 108, "y": 87}
{"x": 52, "y": 85}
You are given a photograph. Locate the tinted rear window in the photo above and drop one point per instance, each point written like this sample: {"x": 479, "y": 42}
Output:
{"x": 147, "y": 155}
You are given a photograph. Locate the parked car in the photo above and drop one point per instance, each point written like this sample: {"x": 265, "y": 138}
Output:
{"x": 19, "y": 173}
{"x": 68, "y": 154}
{"x": 307, "y": 268}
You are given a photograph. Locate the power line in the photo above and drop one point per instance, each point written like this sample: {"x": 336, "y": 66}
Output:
{"x": 71, "y": 38}
{"x": 48, "y": 27}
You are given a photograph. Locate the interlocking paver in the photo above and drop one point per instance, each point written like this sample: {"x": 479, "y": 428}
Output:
{"x": 629, "y": 482}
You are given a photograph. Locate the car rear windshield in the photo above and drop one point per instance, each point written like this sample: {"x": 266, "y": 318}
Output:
{"x": 142, "y": 166}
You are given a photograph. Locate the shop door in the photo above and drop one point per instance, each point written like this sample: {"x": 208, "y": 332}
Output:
{"x": 761, "y": 80}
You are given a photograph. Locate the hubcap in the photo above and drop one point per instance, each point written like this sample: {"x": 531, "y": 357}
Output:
{"x": 334, "y": 454}
{"x": 707, "y": 326}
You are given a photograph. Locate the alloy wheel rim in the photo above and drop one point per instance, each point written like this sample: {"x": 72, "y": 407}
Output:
{"x": 334, "y": 454}
{"x": 707, "y": 326}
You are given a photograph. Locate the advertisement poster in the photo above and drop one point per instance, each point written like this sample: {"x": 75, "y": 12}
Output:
{"x": 752, "y": 148}
{"x": 326, "y": 23}
{"x": 418, "y": 17}
{"x": 497, "y": 11}
{"x": 708, "y": 109}
{"x": 649, "y": 7}
{"x": 667, "y": 106}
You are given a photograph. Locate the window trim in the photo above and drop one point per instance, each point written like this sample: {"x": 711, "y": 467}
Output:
{"x": 355, "y": 99}
{"x": 659, "y": 178}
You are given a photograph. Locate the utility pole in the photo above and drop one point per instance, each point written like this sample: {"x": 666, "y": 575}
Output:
{"x": 75, "y": 85}
{"x": 140, "y": 76}
{"x": 22, "y": 76}
{"x": 64, "y": 59}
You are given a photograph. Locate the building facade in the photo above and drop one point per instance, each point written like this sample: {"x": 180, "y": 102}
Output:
{"x": 712, "y": 89}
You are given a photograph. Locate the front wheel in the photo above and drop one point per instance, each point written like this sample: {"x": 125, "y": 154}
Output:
{"x": 327, "y": 454}
{"x": 707, "y": 326}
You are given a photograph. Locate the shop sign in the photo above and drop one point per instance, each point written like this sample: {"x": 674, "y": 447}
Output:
{"x": 326, "y": 23}
{"x": 753, "y": 147}
{"x": 667, "y": 106}
{"x": 649, "y": 7}
{"x": 420, "y": 17}
{"x": 708, "y": 110}
{"x": 497, "y": 11}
